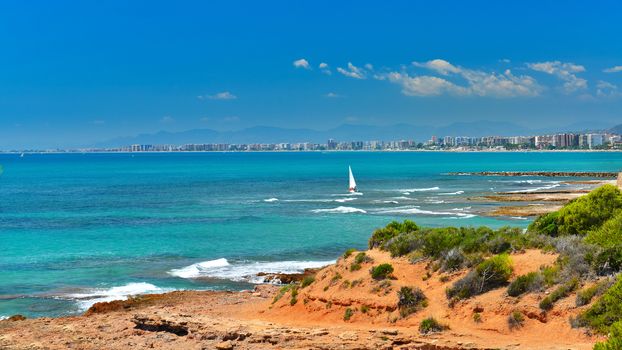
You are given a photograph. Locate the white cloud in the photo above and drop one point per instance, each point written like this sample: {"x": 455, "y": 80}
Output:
{"x": 440, "y": 66}
{"x": 607, "y": 89}
{"x": 324, "y": 68}
{"x": 564, "y": 71}
{"x": 424, "y": 85}
{"x": 225, "y": 95}
{"x": 614, "y": 69}
{"x": 478, "y": 83}
{"x": 302, "y": 63}
{"x": 167, "y": 120}
{"x": 353, "y": 71}
{"x": 332, "y": 95}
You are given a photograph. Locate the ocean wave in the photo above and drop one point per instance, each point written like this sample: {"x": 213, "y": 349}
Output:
{"x": 3, "y": 317}
{"x": 308, "y": 200}
{"x": 271, "y": 200}
{"x": 340, "y": 210}
{"x": 348, "y": 194}
{"x": 536, "y": 189}
{"x": 195, "y": 270}
{"x": 88, "y": 298}
{"x": 343, "y": 200}
{"x": 246, "y": 271}
{"x": 405, "y": 198}
{"x": 406, "y": 193}
{"x": 436, "y": 188}
{"x": 451, "y": 193}
{"x": 434, "y": 201}
{"x": 414, "y": 211}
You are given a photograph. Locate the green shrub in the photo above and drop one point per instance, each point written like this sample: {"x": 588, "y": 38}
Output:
{"x": 364, "y": 309}
{"x": 431, "y": 325}
{"x": 361, "y": 258}
{"x": 608, "y": 260}
{"x": 550, "y": 275}
{"x": 381, "y": 271}
{"x": 585, "y": 295}
{"x": 516, "y": 319}
{"x": 348, "y": 252}
{"x": 606, "y": 311}
{"x": 489, "y": 274}
{"x": 410, "y": 300}
{"x": 348, "y": 314}
{"x": 477, "y": 317}
{"x": 614, "y": 341}
{"x": 382, "y": 235}
{"x": 609, "y": 234}
{"x": 453, "y": 259}
{"x": 294, "y": 295}
{"x": 525, "y": 283}
{"x": 282, "y": 292}
{"x": 306, "y": 281}
{"x": 583, "y": 214}
{"x": 559, "y": 293}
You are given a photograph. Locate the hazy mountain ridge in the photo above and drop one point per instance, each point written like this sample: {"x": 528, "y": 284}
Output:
{"x": 345, "y": 132}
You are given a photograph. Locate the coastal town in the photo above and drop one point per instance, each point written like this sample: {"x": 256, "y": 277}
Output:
{"x": 561, "y": 141}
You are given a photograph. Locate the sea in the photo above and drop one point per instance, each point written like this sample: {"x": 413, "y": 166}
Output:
{"x": 76, "y": 229}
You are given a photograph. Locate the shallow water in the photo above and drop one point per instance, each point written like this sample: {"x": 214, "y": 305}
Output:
{"x": 80, "y": 228}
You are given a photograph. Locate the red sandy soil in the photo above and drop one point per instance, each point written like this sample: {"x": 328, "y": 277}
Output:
{"x": 252, "y": 320}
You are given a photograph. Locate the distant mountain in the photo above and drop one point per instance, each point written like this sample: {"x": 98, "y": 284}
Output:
{"x": 345, "y": 132}
{"x": 616, "y": 129}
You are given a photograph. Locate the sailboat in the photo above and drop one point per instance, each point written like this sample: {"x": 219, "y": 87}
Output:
{"x": 352, "y": 185}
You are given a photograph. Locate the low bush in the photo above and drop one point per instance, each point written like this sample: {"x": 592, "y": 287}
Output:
{"x": 452, "y": 260}
{"x": 306, "y": 281}
{"x": 609, "y": 234}
{"x": 348, "y": 252}
{"x": 559, "y": 293}
{"x": 516, "y": 319}
{"x": 282, "y": 292}
{"x": 608, "y": 260}
{"x": 364, "y": 309}
{"x": 614, "y": 340}
{"x": 526, "y": 283}
{"x": 431, "y": 325}
{"x": 606, "y": 311}
{"x": 294, "y": 295}
{"x": 477, "y": 317}
{"x": 382, "y": 271}
{"x": 489, "y": 274}
{"x": 581, "y": 215}
{"x": 348, "y": 314}
{"x": 382, "y": 235}
{"x": 410, "y": 300}
{"x": 585, "y": 295}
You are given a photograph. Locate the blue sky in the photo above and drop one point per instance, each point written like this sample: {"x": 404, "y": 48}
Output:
{"x": 76, "y": 72}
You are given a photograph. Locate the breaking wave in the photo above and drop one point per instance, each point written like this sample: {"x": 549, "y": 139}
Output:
{"x": 340, "y": 210}
{"x": 536, "y": 189}
{"x": 91, "y": 296}
{"x": 436, "y": 188}
{"x": 451, "y": 193}
{"x": 271, "y": 200}
{"x": 244, "y": 271}
{"x": 343, "y": 200}
{"x": 415, "y": 211}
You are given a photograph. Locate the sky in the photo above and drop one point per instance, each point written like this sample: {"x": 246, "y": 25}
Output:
{"x": 78, "y": 72}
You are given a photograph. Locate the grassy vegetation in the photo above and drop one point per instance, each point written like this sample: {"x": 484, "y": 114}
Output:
{"x": 606, "y": 311}
{"x": 381, "y": 272}
{"x": 360, "y": 259}
{"x": 348, "y": 314}
{"x": 526, "y": 283}
{"x": 431, "y": 325}
{"x": 410, "y": 300}
{"x": 491, "y": 273}
{"x": 348, "y": 252}
{"x": 586, "y": 295}
{"x": 561, "y": 292}
{"x": 516, "y": 320}
{"x": 306, "y": 281}
{"x": 614, "y": 342}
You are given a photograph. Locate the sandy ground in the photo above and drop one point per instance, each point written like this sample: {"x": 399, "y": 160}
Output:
{"x": 252, "y": 320}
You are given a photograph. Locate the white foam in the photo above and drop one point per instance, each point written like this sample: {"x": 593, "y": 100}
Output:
{"x": 420, "y": 189}
{"x": 271, "y": 200}
{"x": 349, "y": 194}
{"x": 406, "y": 193}
{"x": 340, "y": 210}
{"x": 451, "y": 193}
{"x": 248, "y": 271}
{"x": 3, "y": 317}
{"x": 413, "y": 211}
{"x": 343, "y": 200}
{"x": 405, "y": 198}
{"x": 87, "y": 299}
{"x": 537, "y": 188}
{"x": 195, "y": 270}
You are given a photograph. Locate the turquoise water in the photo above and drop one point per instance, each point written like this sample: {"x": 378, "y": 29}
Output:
{"x": 80, "y": 228}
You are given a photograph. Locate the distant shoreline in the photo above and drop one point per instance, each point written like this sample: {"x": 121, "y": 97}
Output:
{"x": 315, "y": 151}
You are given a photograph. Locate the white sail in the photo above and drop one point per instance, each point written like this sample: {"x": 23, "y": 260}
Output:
{"x": 352, "y": 185}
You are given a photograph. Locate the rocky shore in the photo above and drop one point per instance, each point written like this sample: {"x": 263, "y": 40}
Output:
{"x": 593, "y": 174}
{"x": 341, "y": 309}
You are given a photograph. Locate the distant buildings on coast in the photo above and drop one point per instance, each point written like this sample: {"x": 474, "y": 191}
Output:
{"x": 563, "y": 141}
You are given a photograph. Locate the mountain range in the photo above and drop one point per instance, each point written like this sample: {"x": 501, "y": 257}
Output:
{"x": 347, "y": 132}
